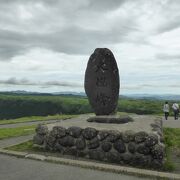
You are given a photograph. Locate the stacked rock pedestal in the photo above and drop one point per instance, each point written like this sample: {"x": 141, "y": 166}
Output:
{"x": 136, "y": 148}
{"x": 135, "y": 141}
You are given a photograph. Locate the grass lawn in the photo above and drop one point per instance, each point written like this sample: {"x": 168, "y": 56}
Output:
{"x": 19, "y": 131}
{"x": 36, "y": 118}
{"x": 26, "y": 146}
{"x": 172, "y": 142}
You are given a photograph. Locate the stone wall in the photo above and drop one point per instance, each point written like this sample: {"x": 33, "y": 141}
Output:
{"x": 140, "y": 149}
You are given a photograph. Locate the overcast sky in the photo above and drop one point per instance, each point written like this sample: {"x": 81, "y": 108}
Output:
{"x": 45, "y": 44}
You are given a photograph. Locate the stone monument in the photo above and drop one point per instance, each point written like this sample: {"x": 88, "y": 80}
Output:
{"x": 133, "y": 140}
{"x": 102, "y": 87}
{"x": 102, "y": 82}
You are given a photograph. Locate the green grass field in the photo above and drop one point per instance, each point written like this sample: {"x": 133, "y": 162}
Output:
{"x": 14, "y": 132}
{"x": 15, "y": 106}
{"x": 172, "y": 144}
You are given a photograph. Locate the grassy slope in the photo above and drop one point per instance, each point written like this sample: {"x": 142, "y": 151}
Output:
{"x": 172, "y": 143}
{"x": 15, "y": 106}
{"x": 14, "y": 132}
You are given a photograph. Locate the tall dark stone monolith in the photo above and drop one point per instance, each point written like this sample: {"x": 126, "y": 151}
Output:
{"x": 102, "y": 82}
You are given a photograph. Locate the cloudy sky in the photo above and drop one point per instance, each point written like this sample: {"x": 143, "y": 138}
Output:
{"x": 45, "y": 44}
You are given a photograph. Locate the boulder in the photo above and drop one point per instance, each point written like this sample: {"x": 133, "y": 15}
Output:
{"x": 128, "y": 136}
{"x": 67, "y": 141}
{"x": 113, "y": 136}
{"x": 74, "y": 131}
{"x": 127, "y": 158}
{"x": 142, "y": 149}
{"x": 89, "y": 133}
{"x": 96, "y": 154}
{"x": 80, "y": 144}
{"x": 106, "y": 146}
{"x": 157, "y": 151}
{"x": 120, "y": 146}
{"x": 58, "y": 131}
{"x": 38, "y": 139}
{"x": 102, "y": 135}
{"x": 132, "y": 147}
{"x": 140, "y": 136}
{"x": 93, "y": 144}
{"x": 114, "y": 157}
{"x": 151, "y": 140}
{"x": 41, "y": 129}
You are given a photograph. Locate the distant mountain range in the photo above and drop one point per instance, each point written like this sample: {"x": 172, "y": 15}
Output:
{"x": 172, "y": 97}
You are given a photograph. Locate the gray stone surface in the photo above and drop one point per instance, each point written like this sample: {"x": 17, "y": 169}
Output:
{"x": 106, "y": 146}
{"x": 111, "y": 119}
{"x": 140, "y": 123}
{"x": 89, "y": 133}
{"x": 132, "y": 147}
{"x": 93, "y": 144}
{"x": 59, "y": 131}
{"x": 38, "y": 139}
{"x": 80, "y": 144}
{"x": 102, "y": 74}
{"x": 74, "y": 131}
{"x": 140, "y": 136}
{"x": 67, "y": 141}
{"x": 113, "y": 143}
{"x": 41, "y": 129}
{"x": 120, "y": 146}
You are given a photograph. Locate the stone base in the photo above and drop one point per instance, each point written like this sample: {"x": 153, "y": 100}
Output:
{"x": 111, "y": 119}
{"x": 137, "y": 143}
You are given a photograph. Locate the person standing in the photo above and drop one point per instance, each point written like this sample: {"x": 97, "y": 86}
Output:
{"x": 175, "y": 108}
{"x": 166, "y": 110}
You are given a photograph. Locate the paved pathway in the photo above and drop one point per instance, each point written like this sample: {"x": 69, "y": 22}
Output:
{"x": 27, "y": 123}
{"x": 171, "y": 123}
{"x": 14, "y": 168}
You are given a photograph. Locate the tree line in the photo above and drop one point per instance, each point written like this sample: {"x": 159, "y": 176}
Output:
{"x": 14, "y": 106}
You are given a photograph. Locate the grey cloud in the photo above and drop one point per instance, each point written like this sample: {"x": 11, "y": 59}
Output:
{"x": 58, "y": 83}
{"x": 164, "y": 56}
{"x": 12, "y": 43}
{"x": 14, "y": 81}
{"x": 170, "y": 25}
{"x": 171, "y": 15}
{"x": 23, "y": 81}
{"x": 71, "y": 38}
{"x": 105, "y": 5}
{"x": 76, "y": 40}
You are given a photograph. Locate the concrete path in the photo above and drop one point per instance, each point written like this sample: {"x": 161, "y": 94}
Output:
{"x": 171, "y": 123}
{"x": 15, "y": 140}
{"x": 27, "y": 123}
{"x": 14, "y": 168}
